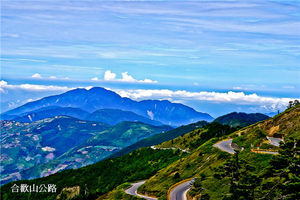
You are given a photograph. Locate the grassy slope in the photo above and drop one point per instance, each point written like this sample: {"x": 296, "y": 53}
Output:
{"x": 101, "y": 177}
{"x": 161, "y": 137}
{"x": 195, "y": 138}
{"x": 241, "y": 119}
{"x": 122, "y": 134}
{"x": 205, "y": 159}
{"x": 26, "y": 140}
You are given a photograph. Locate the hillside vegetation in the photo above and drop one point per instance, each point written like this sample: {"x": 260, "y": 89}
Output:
{"x": 213, "y": 167}
{"x": 161, "y": 137}
{"x": 24, "y": 145}
{"x": 197, "y": 137}
{"x": 44, "y": 147}
{"x": 235, "y": 119}
{"x": 101, "y": 177}
{"x": 219, "y": 175}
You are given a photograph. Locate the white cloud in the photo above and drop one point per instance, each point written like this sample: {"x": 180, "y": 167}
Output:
{"x": 110, "y": 76}
{"x": 11, "y": 35}
{"x": 36, "y": 75}
{"x": 230, "y": 97}
{"x": 107, "y": 55}
{"x": 95, "y": 79}
{"x": 237, "y": 88}
{"x": 39, "y": 76}
{"x": 248, "y": 87}
{"x": 147, "y": 81}
{"x": 288, "y": 87}
{"x": 127, "y": 78}
{"x": 2, "y": 85}
{"x": 31, "y": 87}
{"x": 238, "y": 98}
{"x": 23, "y": 59}
{"x": 29, "y": 100}
{"x": 31, "y": 60}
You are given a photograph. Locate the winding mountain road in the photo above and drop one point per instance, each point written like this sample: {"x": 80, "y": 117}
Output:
{"x": 133, "y": 190}
{"x": 225, "y": 145}
{"x": 179, "y": 192}
{"x": 274, "y": 141}
{"x": 264, "y": 152}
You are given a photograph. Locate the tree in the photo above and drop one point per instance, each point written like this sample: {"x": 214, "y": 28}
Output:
{"x": 293, "y": 103}
{"x": 296, "y": 102}
{"x": 290, "y": 105}
{"x": 177, "y": 175}
{"x": 285, "y": 168}
{"x": 242, "y": 178}
{"x": 198, "y": 190}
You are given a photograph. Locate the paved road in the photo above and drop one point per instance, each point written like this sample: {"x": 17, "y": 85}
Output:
{"x": 264, "y": 152}
{"x": 179, "y": 192}
{"x": 225, "y": 146}
{"x": 274, "y": 141}
{"x": 133, "y": 190}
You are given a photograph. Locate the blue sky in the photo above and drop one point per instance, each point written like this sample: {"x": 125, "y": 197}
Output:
{"x": 216, "y": 56}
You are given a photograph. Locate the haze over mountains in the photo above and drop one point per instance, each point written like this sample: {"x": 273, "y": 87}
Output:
{"x": 81, "y": 127}
{"x": 173, "y": 114}
{"x": 189, "y": 155}
{"x": 108, "y": 116}
{"x": 40, "y": 148}
{"x": 161, "y": 100}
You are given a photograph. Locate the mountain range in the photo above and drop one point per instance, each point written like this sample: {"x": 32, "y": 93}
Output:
{"x": 240, "y": 119}
{"x": 43, "y": 147}
{"x": 96, "y": 98}
{"x": 108, "y": 116}
{"x": 63, "y": 132}
{"x": 217, "y": 173}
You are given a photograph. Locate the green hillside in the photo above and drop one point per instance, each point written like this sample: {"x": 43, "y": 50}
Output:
{"x": 197, "y": 137}
{"x": 256, "y": 171}
{"x": 235, "y": 119}
{"x": 44, "y": 147}
{"x": 101, "y": 145}
{"x": 125, "y": 133}
{"x": 24, "y": 145}
{"x": 101, "y": 177}
{"x": 219, "y": 175}
{"x": 161, "y": 137}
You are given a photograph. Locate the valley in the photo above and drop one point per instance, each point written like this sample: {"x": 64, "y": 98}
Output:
{"x": 150, "y": 99}
{"x": 115, "y": 160}
{"x": 44, "y": 147}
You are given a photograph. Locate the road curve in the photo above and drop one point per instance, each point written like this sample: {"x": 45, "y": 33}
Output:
{"x": 225, "y": 146}
{"x": 179, "y": 192}
{"x": 133, "y": 190}
{"x": 274, "y": 141}
{"x": 264, "y": 152}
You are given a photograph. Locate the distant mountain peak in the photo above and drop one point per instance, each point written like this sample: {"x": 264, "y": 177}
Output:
{"x": 241, "y": 119}
{"x": 96, "y": 98}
